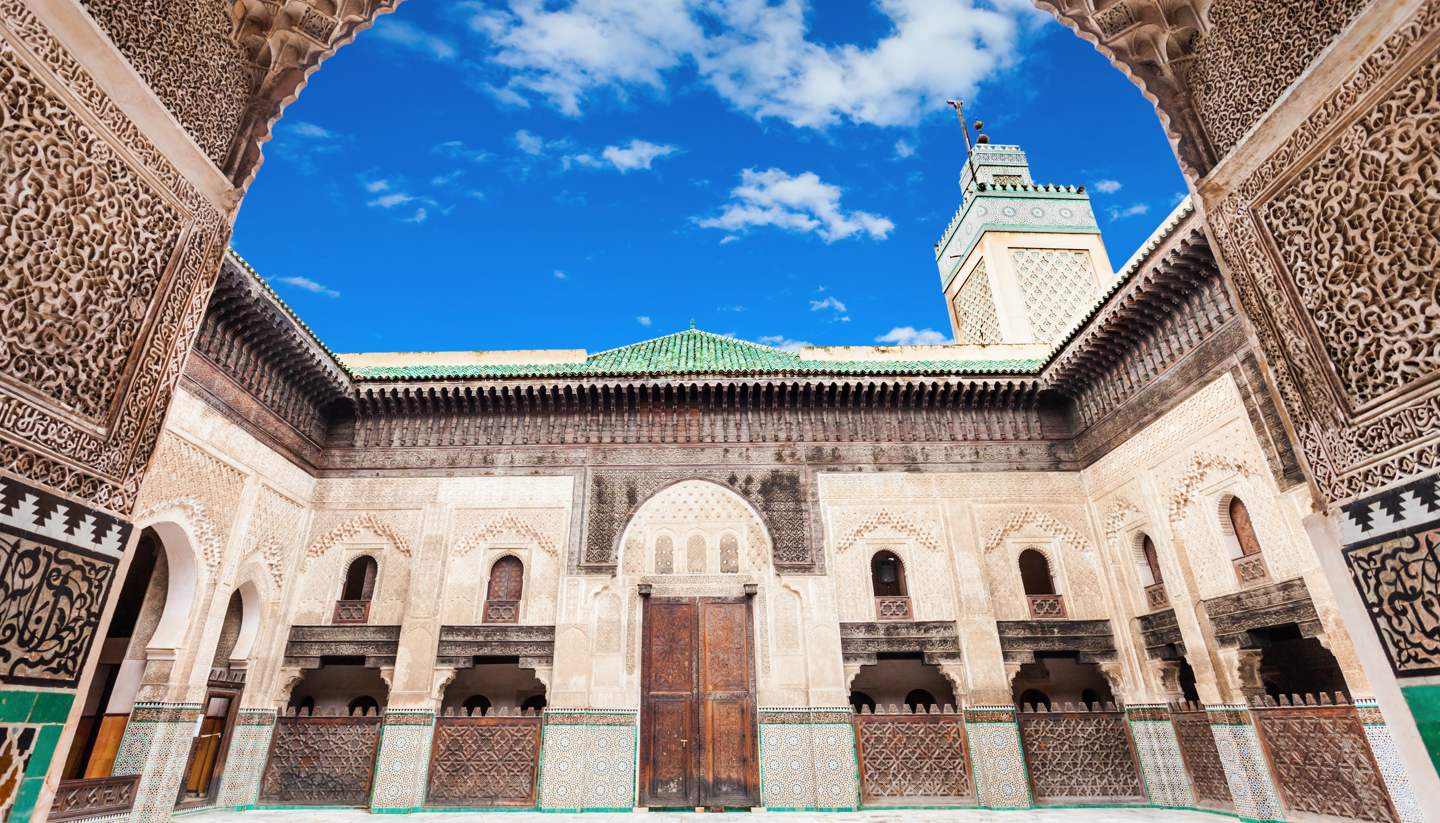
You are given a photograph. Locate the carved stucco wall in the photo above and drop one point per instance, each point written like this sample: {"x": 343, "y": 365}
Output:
{"x": 1330, "y": 240}
{"x": 85, "y": 388}
{"x": 1169, "y": 481}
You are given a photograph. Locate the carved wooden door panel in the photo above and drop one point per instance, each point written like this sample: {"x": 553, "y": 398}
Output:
{"x": 669, "y": 754}
{"x": 698, "y": 705}
{"x": 506, "y": 578}
{"x": 727, "y": 704}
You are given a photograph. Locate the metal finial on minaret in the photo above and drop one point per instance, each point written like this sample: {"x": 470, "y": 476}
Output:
{"x": 980, "y": 138}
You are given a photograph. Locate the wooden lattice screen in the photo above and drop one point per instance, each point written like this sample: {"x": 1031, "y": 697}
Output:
{"x": 913, "y": 755}
{"x": 321, "y": 761}
{"x": 1321, "y": 759}
{"x": 484, "y": 762}
{"x": 1080, "y": 753}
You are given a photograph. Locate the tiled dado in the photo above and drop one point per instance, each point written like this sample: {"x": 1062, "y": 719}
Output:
{"x": 588, "y": 759}
{"x": 1161, "y": 763}
{"x": 1387, "y": 757}
{"x": 807, "y": 759}
{"x": 156, "y": 746}
{"x": 403, "y": 764}
{"x": 1246, "y": 770}
{"x": 30, "y": 724}
{"x": 245, "y": 763}
{"x": 1002, "y": 780}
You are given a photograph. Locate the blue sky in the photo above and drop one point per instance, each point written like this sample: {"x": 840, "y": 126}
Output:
{"x": 514, "y": 174}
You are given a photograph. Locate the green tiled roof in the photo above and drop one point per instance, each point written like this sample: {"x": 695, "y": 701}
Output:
{"x": 694, "y": 352}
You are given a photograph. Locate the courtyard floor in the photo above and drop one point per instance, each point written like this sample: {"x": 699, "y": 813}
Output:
{"x": 1070, "y": 815}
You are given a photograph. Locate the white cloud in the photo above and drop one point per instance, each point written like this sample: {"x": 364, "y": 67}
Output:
{"x": 784, "y": 343}
{"x": 638, "y": 155}
{"x": 585, "y": 159}
{"x": 1107, "y": 186}
{"x": 458, "y": 150}
{"x": 391, "y": 200}
{"x": 911, "y": 336}
{"x": 409, "y": 36}
{"x": 561, "y": 54}
{"x": 756, "y": 55}
{"x": 1117, "y": 213}
{"x": 904, "y": 149}
{"x": 560, "y": 275}
{"x": 643, "y": 320}
{"x": 377, "y": 186}
{"x": 447, "y": 178}
{"x": 729, "y": 238}
{"x": 530, "y": 143}
{"x": 420, "y": 216}
{"x": 828, "y": 303}
{"x": 309, "y": 285}
{"x": 800, "y": 203}
{"x": 306, "y": 129}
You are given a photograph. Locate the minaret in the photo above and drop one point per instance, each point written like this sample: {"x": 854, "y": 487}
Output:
{"x": 1020, "y": 262}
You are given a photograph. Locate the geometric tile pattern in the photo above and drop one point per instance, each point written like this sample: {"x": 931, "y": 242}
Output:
{"x": 807, "y": 759}
{"x": 1397, "y": 780}
{"x": 588, "y": 760}
{"x": 1404, "y": 509}
{"x": 170, "y": 736}
{"x": 404, "y": 760}
{"x": 974, "y": 305}
{"x": 1245, "y": 767}
{"x": 249, "y": 746}
{"x": 17, "y": 745}
{"x": 1161, "y": 763}
{"x": 1002, "y": 780}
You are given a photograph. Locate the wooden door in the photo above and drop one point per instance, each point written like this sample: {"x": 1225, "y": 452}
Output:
{"x": 667, "y": 722}
{"x": 698, "y": 704}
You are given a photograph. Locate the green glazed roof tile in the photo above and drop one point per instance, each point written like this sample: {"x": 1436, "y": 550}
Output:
{"x": 694, "y": 352}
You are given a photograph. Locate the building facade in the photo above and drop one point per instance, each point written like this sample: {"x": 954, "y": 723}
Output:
{"x": 1062, "y": 561}
{"x": 1305, "y": 129}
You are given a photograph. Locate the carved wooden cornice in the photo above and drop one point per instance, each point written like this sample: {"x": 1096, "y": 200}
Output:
{"x": 1021, "y": 639}
{"x": 937, "y": 641}
{"x": 1237, "y": 617}
{"x": 307, "y": 645}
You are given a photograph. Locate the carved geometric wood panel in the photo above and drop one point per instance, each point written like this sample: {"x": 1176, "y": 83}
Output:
{"x": 321, "y": 761}
{"x": 1322, "y": 762}
{"x": 914, "y": 756}
{"x": 480, "y": 762}
{"x": 1080, "y": 754}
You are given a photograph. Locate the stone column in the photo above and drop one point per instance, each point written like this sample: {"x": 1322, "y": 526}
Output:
{"x": 1246, "y": 769}
{"x": 245, "y": 763}
{"x": 1162, "y": 766}
{"x": 1002, "y": 780}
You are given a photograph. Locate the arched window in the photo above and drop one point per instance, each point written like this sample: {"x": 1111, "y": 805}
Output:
{"x": 1244, "y": 529}
{"x": 354, "y": 603}
{"x": 1035, "y": 697}
{"x": 861, "y": 701}
{"x": 502, "y": 597}
{"x": 534, "y": 703}
{"x": 305, "y": 705}
{"x": 1150, "y": 572}
{"x": 1035, "y": 573}
{"x": 476, "y": 705}
{"x": 664, "y": 555}
{"x": 363, "y": 705}
{"x": 887, "y": 575}
{"x": 919, "y": 699}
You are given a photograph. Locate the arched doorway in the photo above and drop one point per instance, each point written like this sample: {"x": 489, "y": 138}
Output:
{"x": 697, "y": 651}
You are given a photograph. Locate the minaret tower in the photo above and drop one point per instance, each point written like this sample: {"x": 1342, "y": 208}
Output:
{"x": 1020, "y": 262}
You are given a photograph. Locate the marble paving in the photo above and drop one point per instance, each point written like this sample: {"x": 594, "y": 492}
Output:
{"x": 879, "y": 816}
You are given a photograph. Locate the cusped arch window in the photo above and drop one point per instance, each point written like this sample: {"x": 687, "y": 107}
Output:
{"x": 1244, "y": 542}
{"x": 1041, "y": 592}
{"x": 892, "y": 595}
{"x": 503, "y": 593}
{"x": 357, "y": 591}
